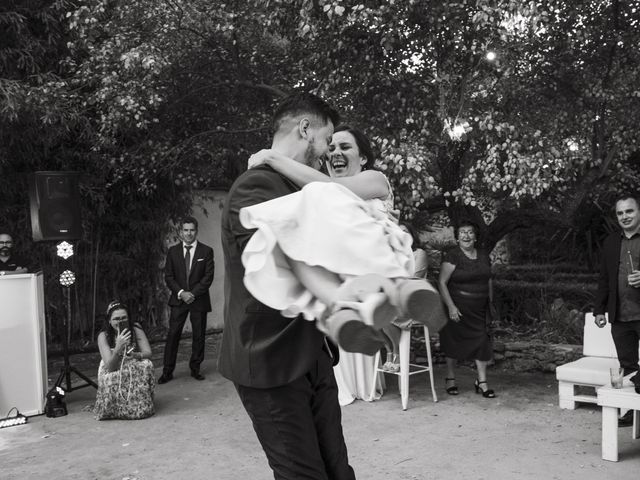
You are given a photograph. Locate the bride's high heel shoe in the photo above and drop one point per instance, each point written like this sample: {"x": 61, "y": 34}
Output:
{"x": 346, "y": 328}
{"x": 419, "y": 301}
{"x": 369, "y": 296}
{"x": 376, "y": 310}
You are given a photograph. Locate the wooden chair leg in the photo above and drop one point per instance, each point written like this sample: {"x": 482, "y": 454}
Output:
{"x": 566, "y": 395}
{"x": 610, "y": 434}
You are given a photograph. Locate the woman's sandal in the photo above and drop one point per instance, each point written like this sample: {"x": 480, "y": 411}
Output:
{"x": 391, "y": 365}
{"x": 453, "y": 389}
{"x": 485, "y": 393}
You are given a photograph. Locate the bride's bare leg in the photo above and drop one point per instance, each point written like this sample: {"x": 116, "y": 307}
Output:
{"x": 366, "y": 294}
{"x": 322, "y": 283}
{"x": 345, "y": 326}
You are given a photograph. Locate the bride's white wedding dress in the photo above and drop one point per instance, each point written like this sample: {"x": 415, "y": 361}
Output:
{"x": 326, "y": 225}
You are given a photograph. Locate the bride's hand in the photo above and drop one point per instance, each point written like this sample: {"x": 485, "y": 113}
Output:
{"x": 394, "y": 215}
{"x": 262, "y": 157}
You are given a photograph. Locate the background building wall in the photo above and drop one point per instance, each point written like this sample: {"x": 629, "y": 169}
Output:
{"x": 207, "y": 210}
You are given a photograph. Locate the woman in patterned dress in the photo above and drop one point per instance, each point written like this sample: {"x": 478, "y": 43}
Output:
{"x": 126, "y": 377}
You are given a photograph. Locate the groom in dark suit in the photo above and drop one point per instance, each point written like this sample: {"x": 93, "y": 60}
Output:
{"x": 188, "y": 273}
{"x": 282, "y": 367}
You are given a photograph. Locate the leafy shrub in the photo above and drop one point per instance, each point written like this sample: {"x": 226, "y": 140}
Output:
{"x": 539, "y": 302}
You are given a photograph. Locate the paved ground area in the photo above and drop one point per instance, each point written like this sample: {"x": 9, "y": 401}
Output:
{"x": 200, "y": 431}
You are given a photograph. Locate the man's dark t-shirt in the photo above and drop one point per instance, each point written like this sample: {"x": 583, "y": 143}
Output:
{"x": 13, "y": 263}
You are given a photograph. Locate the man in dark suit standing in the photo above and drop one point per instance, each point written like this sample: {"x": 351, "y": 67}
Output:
{"x": 188, "y": 273}
{"x": 282, "y": 367}
{"x": 619, "y": 286}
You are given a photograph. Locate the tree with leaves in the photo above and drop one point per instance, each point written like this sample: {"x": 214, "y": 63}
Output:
{"x": 512, "y": 113}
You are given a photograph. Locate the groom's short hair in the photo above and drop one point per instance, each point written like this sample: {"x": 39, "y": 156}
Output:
{"x": 304, "y": 104}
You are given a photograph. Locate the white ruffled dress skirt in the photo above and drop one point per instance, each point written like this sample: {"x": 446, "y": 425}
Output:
{"x": 325, "y": 225}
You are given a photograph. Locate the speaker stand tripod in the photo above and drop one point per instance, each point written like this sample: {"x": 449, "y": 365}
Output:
{"x": 68, "y": 369}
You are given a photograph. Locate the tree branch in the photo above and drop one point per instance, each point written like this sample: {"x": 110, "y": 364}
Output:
{"x": 264, "y": 87}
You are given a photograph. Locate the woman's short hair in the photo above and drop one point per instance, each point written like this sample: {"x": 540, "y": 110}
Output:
{"x": 363, "y": 143}
{"x": 625, "y": 196}
{"x": 466, "y": 223}
{"x": 304, "y": 103}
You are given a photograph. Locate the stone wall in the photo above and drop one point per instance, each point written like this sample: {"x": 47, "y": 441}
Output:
{"x": 534, "y": 355}
{"x": 508, "y": 355}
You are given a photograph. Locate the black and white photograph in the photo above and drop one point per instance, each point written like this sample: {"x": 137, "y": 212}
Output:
{"x": 319, "y": 239}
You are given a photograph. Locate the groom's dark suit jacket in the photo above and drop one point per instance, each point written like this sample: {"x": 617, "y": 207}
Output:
{"x": 200, "y": 276}
{"x": 260, "y": 347}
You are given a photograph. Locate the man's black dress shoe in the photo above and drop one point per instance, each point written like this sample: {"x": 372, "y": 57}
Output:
{"x": 164, "y": 378}
{"x": 626, "y": 420}
{"x": 197, "y": 376}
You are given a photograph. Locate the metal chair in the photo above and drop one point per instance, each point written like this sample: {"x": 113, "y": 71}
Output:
{"x": 406, "y": 368}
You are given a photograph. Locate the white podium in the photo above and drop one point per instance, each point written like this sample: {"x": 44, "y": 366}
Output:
{"x": 23, "y": 344}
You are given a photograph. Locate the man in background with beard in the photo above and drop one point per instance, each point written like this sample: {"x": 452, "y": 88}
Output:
{"x": 619, "y": 289}
{"x": 10, "y": 263}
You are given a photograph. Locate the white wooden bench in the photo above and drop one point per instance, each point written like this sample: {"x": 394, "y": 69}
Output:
{"x": 592, "y": 370}
{"x": 611, "y": 400}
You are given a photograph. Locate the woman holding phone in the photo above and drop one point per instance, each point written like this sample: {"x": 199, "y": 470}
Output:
{"x": 126, "y": 377}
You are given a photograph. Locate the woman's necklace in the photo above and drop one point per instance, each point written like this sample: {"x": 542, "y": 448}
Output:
{"x": 472, "y": 254}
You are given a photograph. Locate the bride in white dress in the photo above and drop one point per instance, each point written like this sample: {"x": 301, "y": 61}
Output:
{"x": 335, "y": 228}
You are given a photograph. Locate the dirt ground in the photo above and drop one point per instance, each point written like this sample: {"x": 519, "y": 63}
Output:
{"x": 200, "y": 431}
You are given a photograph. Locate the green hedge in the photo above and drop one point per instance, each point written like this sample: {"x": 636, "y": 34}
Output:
{"x": 543, "y": 302}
